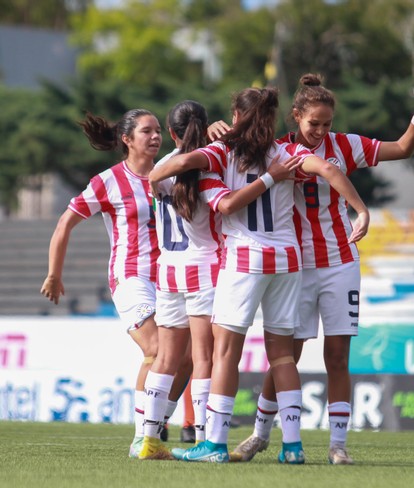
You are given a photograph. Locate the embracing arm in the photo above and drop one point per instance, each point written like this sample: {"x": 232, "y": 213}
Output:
{"x": 237, "y": 199}
{"x": 403, "y": 148}
{"x": 53, "y": 287}
{"x": 335, "y": 177}
{"x": 177, "y": 165}
{"x": 217, "y": 129}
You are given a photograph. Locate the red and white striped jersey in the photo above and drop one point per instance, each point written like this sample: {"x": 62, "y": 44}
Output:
{"x": 260, "y": 238}
{"x": 321, "y": 217}
{"x": 123, "y": 198}
{"x": 190, "y": 251}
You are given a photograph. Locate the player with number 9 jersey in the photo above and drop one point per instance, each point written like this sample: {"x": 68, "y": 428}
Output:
{"x": 321, "y": 215}
{"x": 331, "y": 271}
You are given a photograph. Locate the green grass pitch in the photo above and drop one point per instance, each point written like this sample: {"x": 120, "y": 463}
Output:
{"x": 63, "y": 455}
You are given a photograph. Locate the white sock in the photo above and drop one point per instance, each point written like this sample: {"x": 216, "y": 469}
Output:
{"x": 265, "y": 414}
{"x": 219, "y": 412}
{"x": 290, "y": 404}
{"x": 339, "y": 415}
{"x": 139, "y": 413}
{"x": 157, "y": 389}
{"x": 200, "y": 389}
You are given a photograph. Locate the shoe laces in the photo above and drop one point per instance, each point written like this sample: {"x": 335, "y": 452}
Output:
{"x": 340, "y": 451}
{"x": 251, "y": 442}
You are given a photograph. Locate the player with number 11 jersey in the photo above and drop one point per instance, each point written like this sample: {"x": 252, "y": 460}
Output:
{"x": 260, "y": 238}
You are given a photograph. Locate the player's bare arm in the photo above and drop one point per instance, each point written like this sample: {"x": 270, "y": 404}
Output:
{"x": 52, "y": 287}
{"x": 335, "y": 177}
{"x": 403, "y": 148}
{"x": 237, "y": 199}
{"x": 177, "y": 165}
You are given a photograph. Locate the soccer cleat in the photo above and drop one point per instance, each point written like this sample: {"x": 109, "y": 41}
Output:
{"x": 339, "y": 455}
{"x": 135, "y": 447}
{"x": 164, "y": 433}
{"x": 188, "y": 434}
{"x": 153, "y": 448}
{"x": 247, "y": 449}
{"x": 292, "y": 453}
{"x": 207, "y": 452}
{"x": 178, "y": 453}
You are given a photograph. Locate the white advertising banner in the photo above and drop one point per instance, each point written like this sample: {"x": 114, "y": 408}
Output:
{"x": 84, "y": 369}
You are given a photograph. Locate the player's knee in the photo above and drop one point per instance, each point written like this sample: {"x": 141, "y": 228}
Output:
{"x": 148, "y": 360}
{"x": 274, "y": 363}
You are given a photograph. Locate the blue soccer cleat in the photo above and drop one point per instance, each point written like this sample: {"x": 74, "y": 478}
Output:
{"x": 292, "y": 453}
{"x": 207, "y": 452}
{"x": 178, "y": 453}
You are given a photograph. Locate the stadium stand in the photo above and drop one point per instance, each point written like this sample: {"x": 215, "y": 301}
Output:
{"x": 24, "y": 246}
{"x": 387, "y": 264}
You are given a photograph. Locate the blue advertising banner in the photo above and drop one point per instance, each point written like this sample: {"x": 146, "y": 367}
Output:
{"x": 385, "y": 348}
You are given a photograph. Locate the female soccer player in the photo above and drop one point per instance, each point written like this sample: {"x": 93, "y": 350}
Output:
{"x": 331, "y": 275}
{"x": 190, "y": 240}
{"x": 121, "y": 194}
{"x": 261, "y": 265}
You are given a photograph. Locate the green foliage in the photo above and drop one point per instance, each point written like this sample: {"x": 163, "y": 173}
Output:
{"x": 133, "y": 44}
{"x": 363, "y": 39}
{"x": 130, "y": 57}
{"x": 380, "y": 111}
{"x": 42, "y": 135}
{"x": 17, "y": 125}
{"x": 247, "y": 39}
{"x": 53, "y": 14}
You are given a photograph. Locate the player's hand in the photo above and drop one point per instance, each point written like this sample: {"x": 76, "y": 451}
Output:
{"x": 52, "y": 288}
{"x": 153, "y": 187}
{"x": 154, "y": 190}
{"x": 284, "y": 170}
{"x": 360, "y": 227}
{"x": 217, "y": 129}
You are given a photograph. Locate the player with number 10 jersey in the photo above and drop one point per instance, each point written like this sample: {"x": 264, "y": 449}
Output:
{"x": 190, "y": 251}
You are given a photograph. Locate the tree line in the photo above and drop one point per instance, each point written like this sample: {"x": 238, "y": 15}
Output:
{"x": 155, "y": 53}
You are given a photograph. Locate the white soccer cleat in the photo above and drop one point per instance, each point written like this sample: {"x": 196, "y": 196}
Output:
{"x": 135, "y": 447}
{"x": 247, "y": 449}
{"x": 339, "y": 455}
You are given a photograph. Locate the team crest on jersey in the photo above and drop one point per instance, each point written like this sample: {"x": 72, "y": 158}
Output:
{"x": 334, "y": 161}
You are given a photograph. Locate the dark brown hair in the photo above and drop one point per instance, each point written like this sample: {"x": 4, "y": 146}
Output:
{"x": 254, "y": 132}
{"x": 311, "y": 92}
{"x": 105, "y": 136}
{"x": 188, "y": 119}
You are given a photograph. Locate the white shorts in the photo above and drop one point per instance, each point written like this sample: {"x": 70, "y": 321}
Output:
{"x": 238, "y": 296}
{"x": 331, "y": 294}
{"x": 173, "y": 308}
{"x": 134, "y": 300}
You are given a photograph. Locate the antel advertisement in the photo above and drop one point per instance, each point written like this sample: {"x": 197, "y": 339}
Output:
{"x": 84, "y": 370}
